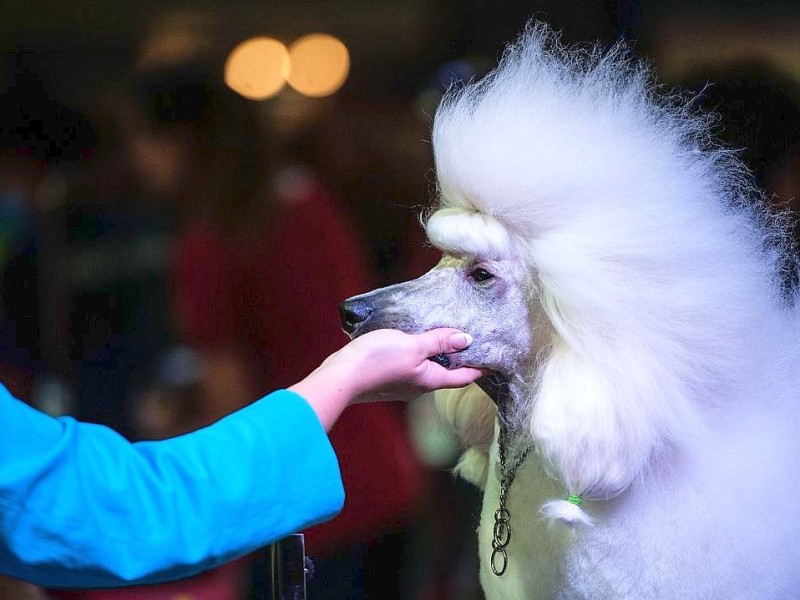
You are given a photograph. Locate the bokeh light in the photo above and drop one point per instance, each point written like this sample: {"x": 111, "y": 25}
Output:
{"x": 255, "y": 68}
{"x": 318, "y": 65}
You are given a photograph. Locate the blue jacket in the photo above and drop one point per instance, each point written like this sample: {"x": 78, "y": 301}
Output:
{"x": 82, "y": 507}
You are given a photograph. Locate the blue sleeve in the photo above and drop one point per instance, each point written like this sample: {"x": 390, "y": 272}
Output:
{"x": 82, "y": 507}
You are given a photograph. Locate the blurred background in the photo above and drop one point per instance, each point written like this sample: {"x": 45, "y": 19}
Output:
{"x": 188, "y": 189}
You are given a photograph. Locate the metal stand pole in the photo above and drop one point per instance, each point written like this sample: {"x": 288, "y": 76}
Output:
{"x": 288, "y": 568}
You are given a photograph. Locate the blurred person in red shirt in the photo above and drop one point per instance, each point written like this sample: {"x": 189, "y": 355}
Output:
{"x": 262, "y": 257}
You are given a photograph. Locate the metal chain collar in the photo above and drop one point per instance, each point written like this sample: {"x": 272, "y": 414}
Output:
{"x": 501, "y": 534}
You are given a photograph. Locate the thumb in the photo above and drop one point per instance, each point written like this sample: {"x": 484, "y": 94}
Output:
{"x": 445, "y": 340}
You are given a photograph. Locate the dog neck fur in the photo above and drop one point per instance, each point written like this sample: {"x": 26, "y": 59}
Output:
{"x": 567, "y": 159}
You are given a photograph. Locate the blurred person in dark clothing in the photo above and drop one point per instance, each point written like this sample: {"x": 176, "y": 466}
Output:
{"x": 39, "y": 140}
{"x": 83, "y": 279}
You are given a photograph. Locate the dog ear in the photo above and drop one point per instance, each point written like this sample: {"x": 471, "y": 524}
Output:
{"x": 588, "y": 439}
{"x": 605, "y": 408}
{"x": 471, "y": 413}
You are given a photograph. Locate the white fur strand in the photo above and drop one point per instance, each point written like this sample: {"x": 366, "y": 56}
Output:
{"x": 565, "y": 512}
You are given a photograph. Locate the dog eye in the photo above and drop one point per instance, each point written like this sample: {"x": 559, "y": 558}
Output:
{"x": 480, "y": 274}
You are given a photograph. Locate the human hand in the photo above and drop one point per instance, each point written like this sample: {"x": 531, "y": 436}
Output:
{"x": 385, "y": 365}
{"x": 391, "y": 365}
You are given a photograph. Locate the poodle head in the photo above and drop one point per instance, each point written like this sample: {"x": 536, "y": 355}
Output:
{"x": 479, "y": 286}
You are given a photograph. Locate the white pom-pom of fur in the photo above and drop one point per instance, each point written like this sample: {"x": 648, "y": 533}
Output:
{"x": 468, "y": 233}
{"x": 471, "y": 414}
{"x": 473, "y": 466}
{"x": 566, "y": 512}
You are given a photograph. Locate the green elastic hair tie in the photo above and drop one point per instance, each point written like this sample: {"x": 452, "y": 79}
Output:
{"x": 575, "y": 499}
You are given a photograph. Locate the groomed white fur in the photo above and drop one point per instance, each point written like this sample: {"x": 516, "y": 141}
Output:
{"x": 472, "y": 415}
{"x": 566, "y": 512}
{"x": 673, "y": 359}
{"x": 474, "y": 234}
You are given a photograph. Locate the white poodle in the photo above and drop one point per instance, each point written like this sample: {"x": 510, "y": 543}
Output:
{"x": 626, "y": 282}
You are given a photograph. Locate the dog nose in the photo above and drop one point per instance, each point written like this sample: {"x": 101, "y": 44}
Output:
{"x": 353, "y": 312}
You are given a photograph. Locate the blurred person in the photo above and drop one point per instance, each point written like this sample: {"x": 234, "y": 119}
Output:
{"x": 263, "y": 256}
{"x": 41, "y": 140}
{"x": 83, "y": 278}
{"x": 83, "y": 507}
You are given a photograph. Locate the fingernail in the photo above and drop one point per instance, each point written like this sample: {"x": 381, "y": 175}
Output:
{"x": 461, "y": 340}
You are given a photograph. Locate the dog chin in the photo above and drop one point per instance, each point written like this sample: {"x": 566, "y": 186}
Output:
{"x": 452, "y": 361}
{"x": 470, "y": 357}
{"x": 464, "y": 358}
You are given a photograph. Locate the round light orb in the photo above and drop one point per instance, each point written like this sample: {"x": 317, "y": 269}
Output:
{"x": 318, "y": 65}
{"x": 255, "y": 68}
